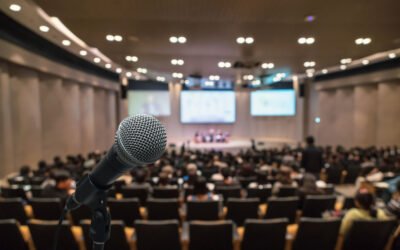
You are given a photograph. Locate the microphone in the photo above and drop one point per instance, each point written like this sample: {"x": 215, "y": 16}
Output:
{"x": 139, "y": 140}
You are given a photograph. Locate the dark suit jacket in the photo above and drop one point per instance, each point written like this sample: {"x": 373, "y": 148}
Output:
{"x": 312, "y": 160}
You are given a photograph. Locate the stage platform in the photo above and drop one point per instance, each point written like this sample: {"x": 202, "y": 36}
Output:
{"x": 234, "y": 146}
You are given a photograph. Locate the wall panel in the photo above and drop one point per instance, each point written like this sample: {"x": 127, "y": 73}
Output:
{"x": 388, "y": 114}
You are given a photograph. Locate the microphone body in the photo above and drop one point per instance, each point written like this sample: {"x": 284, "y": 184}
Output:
{"x": 139, "y": 140}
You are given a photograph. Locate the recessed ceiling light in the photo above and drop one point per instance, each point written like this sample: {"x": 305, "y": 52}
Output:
{"x": 131, "y": 58}
{"x": 365, "y": 62}
{"x": 128, "y": 74}
{"x": 15, "y": 7}
{"x": 324, "y": 71}
{"x": 181, "y": 62}
{"x": 173, "y": 39}
{"x": 363, "y": 41}
{"x": 310, "y": 40}
{"x": 221, "y": 64}
{"x": 302, "y": 40}
{"x": 228, "y": 64}
{"x": 214, "y": 77}
{"x": 309, "y": 64}
{"x": 44, "y": 28}
{"x": 392, "y": 55}
{"x": 367, "y": 40}
{"x": 249, "y": 40}
{"x": 310, "y": 75}
{"x": 118, "y": 38}
{"x": 177, "y": 75}
{"x": 108, "y": 65}
{"x": 174, "y": 62}
{"x": 240, "y": 40}
{"x": 343, "y": 67}
{"x": 83, "y": 52}
{"x": 142, "y": 70}
{"x": 306, "y": 40}
{"x": 345, "y": 61}
{"x": 310, "y": 71}
{"x": 110, "y": 38}
{"x": 182, "y": 39}
{"x": 96, "y": 60}
{"x": 118, "y": 70}
{"x": 160, "y": 78}
{"x": 267, "y": 65}
{"x": 310, "y": 18}
{"x": 66, "y": 42}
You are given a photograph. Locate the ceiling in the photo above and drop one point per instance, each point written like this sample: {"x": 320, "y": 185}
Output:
{"x": 212, "y": 26}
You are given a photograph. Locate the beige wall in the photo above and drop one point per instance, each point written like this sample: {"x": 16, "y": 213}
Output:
{"x": 43, "y": 115}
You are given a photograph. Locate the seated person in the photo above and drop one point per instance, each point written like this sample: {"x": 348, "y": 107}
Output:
{"x": 364, "y": 210}
{"x": 201, "y": 191}
{"x": 62, "y": 188}
{"x": 140, "y": 180}
{"x": 283, "y": 179}
{"x": 393, "y": 206}
{"x": 309, "y": 187}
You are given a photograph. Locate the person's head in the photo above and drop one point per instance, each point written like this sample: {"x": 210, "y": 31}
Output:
{"x": 200, "y": 186}
{"x": 309, "y": 182}
{"x": 163, "y": 179}
{"x": 140, "y": 176}
{"x": 225, "y": 172}
{"x": 168, "y": 169}
{"x": 310, "y": 140}
{"x": 42, "y": 165}
{"x": 24, "y": 171}
{"x": 63, "y": 179}
{"x": 191, "y": 169}
{"x": 284, "y": 176}
{"x": 366, "y": 200}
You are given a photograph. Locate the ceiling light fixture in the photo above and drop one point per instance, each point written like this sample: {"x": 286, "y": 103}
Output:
{"x": 131, "y": 58}
{"x": 310, "y": 18}
{"x": 112, "y": 38}
{"x": 214, "y": 77}
{"x": 160, "y": 78}
{"x": 108, "y": 66}
{"x": 66, "y": 42}
{"x": 240, "y": 40}
{"x": 392, "y": 55}
{"x": 223, "y": 64}
{"x": 365, "y": 62}
{"x": 177, "y": 75}
{"x": 345, "y": 61}
{"x": 249, "y": 40}
{"x": 142, "y": 70}
{"x": 118, "y": 70}
{"x": 309, "y": 64}
{"x": 15, "y": 7}
{"x": 267, "y": 65}
{"x": 324, "y": 71}
{"x": 128, "y": 74}
{"x": 118, "y": 38}
{"x": 181, "y": 39}
{"x": 96, "y": 60}
{"x": 44, "y": 28}
{"x": 83, "y": 52}
{"x": 306, "y": 40}
{"x": 363, "y": 41}
{"x": 343, "y": 67}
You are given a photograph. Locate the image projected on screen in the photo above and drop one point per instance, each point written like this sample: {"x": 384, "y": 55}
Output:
{"x": 156, "y": 103}
{"x": 280, "y": 102}
{"x": 207, "y": 106}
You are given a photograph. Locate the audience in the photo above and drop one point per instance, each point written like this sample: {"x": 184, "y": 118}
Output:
{"x": 201, "y": 191}
{"x": 283, "y": 179}
{"x": 365, "y": 210}
{"x": 62, "y": 187}
{"x": 394, "y": 204}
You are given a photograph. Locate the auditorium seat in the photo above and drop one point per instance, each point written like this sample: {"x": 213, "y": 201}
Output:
{"x": 36, "y": 191}
{"x": 261, "y": 193}
{"x": 155, "y": 235}
{"x": 186, "y": 192}
{"x": 316, "y": 234}
{"x": 81, "y": 213}
{"x": 245, "y": 181}
{"x": 163, "y": 209}
{"x": 329, "y": 189}
{"x": 13, "y": 192}
{"x": 46, "y": 208}
{"x": 241, "y": 209}
{"x": 264, "y": 234}
{"x": 165, "y": 193}
{"x": 228, "y": 192}
{"x": 117, "y": 241}
{"x": 283, "y": 207}
{"x": 352, "y": 172}
{"x": 11, "y": 237}
{"x": 287, "y": 191}
{"x": 371, "y": 235}
{"x": 37, "y": 180}
{"x": 202, "y": 210}
{"x": 43, "y": 235}
{"x": 13, "y": 208}
{"x": 211, "y": 235}
{"x": 127, "y": 210}
{"x": 133, "y": 192}
{"x": 315, "y": 205}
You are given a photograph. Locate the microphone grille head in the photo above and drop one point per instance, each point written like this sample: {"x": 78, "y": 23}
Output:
{"x": 140, "y": 139}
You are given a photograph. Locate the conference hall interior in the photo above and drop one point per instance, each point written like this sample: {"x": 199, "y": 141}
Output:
{"x": 199, "y": 125}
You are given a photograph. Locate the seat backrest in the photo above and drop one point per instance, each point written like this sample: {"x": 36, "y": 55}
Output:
{"x": 329, "y": 189}
{"x": 36, "y": 191}
{"x": 241, "y": 209}
{"x": 117, "y": 236}
{"x": 202, "y": 210}
{"x": 371, "y": 235}
{"x": 264, "y": 234}
{"x": 136, "y": 192}
{"x": 315, "y": 205}
{"x": 228, "y": 192}
{"x": 165, "y": 193}
{"x": 211, "y": 235}
{"x": 284, "y": 207}
{"x": 287, "y": 191}
{"x": 11, "y": 237}
{"x": 353, "y": 171}
{"x": 261, "y": 193}
{"x": 155, "y": 235}
{"x": 43, "y": 235}
{"x": 81, "y": 213}
{"x": 348, "y": 203}
{"x": 127, "y": 210}
{"x": 163, "y": 209}
{"x": 13, "y": 208}
{"x": 46, "y": 208}
{"x": 13, "y": 192}
{"x": 316, "y": 233}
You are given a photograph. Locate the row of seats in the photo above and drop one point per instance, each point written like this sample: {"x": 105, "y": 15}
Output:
{"x": 129, "y": 209}
{"x": 311, "y": 234}
{"x": 263, "y": 193}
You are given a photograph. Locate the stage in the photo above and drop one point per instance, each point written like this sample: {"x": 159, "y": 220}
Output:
{"x": 235, "y": 146}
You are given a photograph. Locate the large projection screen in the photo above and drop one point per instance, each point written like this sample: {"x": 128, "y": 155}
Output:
{"x": 154, "y": 102}
{"x": 273, "y": 102}
{"x": 203, "y": 106}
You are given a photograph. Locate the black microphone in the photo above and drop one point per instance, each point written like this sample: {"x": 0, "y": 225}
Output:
{"x": 139, "y": 140}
